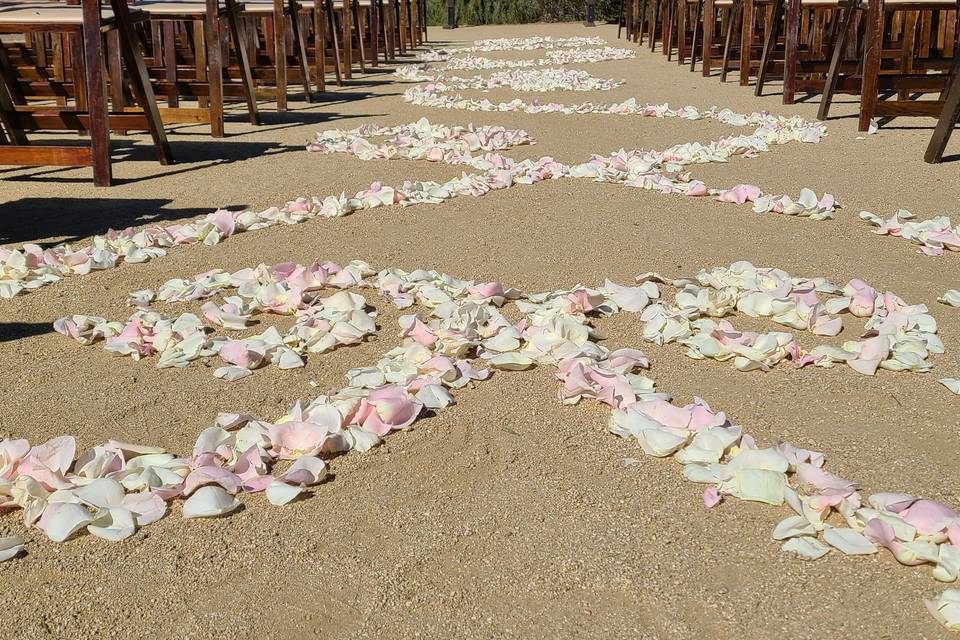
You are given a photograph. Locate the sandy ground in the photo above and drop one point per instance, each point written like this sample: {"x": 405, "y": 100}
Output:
{"x": 507, "y": 515}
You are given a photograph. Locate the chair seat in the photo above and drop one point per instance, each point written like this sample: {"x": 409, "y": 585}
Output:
{"x": 53, "y": 14}
{"x": 920, "y": 4}
{"x": 175, "y": 7}
{"x": 265, "y": 7}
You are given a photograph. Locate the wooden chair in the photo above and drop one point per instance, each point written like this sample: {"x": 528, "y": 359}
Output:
{"x": 689, "y": 14}
{"x": 755, "y": 19}
{"x": 345, "y": 16}
{"x": 198, "y": 69}
{"x": 84, "y": 82}
{"x": 798, "y": 45}
{"x": 325, "y": 44}
{"x": 732, "y": 41}
{"x": 903, "y": 42}
{"x": 409, "y": 24}
{"x": 659, "y": 25}
{"x": 368, "y": 29}
{"x": 631, "y": 18}
{"x": 388, "y": 34}
{"x": 949, "y": 115}
{"x": 716, "y": 20}
{"x": 278, "y": 47}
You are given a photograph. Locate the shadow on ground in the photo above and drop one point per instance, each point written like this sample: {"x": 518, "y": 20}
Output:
{"x": 10, "y": 331}
{"x": 70, "y": 219}
{"x": 189, "y": 155}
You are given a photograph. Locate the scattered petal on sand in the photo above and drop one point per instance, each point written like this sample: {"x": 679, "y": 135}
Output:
{"x": 209, "y": 502}
{"x": 11, "y": 547}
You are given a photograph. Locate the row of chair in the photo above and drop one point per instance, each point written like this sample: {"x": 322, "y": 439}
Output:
{"x": 124, "y": 66}
{"x": 891, "y": 53}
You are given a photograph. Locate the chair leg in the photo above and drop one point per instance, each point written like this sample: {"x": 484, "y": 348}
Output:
{"x": 374, "y": 19}
{"x": 696, "y": 35}
{"x": 401, "y": 22}
{"x": 414, "y": 22}
{"x": 871, "y": 63}
{"x": 79, "y": 81}
{"x": 347, "y": 55}
{"x": 948, "y": 117}
{"x": 791, "y": 50}
{"x": 280, "y": 53}
{"x": 214, "y": 49}
{"x": 746, "y": 42}
{"x": 668, "y": 28}
{"x": 199, "y": 48}
{"x": 170, "y": 59}
{"x": 139, "y": 81}
{"x": 709, "y": 26}
{"x": 833, "y": 74}
{"x": 301, "y": 48}
{"x": 773, "y": 30}
{"x": 735, "y": 14}
{"x": 639, "y": 20}
{"x": 239, "y": 36}
{"x": 335, "y": 37}
{"x": 92, "y": 67}
{"x": 655, "y": 19}
{"x": 390, "y": 32}
{"x": 681, "y": 31}
{"x": 358, "y": 23}
{"x": 908, "y": 36}
{"x": 320, "y": 46}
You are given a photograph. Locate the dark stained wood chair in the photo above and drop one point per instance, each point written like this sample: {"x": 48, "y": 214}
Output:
{"x": 84, "y": 83}
{"x": 906, "y": 50}
{"x": 686, "y": 26}
{"x": 716, "y": 17}
{"x": 197, "y": 68}
{"x": 324, "y": 44}
{"x": 798, "y": 46}
{"x": 278, "y": 47}
{"x": 755, "y": 20}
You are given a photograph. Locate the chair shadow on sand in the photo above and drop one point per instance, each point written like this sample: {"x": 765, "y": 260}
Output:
{"x": 193, "y": 150}
{"x": 11, "y": 331}
{"x": 190, "y": 155}
{"x": 71, "y": 219}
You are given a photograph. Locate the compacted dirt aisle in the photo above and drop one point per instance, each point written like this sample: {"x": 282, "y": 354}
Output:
{"x": 508, "y": 514}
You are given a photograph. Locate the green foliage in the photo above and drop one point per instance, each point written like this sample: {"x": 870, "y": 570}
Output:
{"x": 475, "y": 12}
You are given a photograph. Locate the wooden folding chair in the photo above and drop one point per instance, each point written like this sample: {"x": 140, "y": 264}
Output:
{"x": 344, "y": 14}
{"x": 388, "y": 32}
{"x": 324, "y": 39}
{"x": 368, "y": 27}
{"x": 689, "y": 14}
{"x": 799, "y": 44}
{"x": 281, "y": 54}
{"x": 732, "y": 40}
{"x": 893, "y": 59}
{"x": 756, "y": 18}
{"x": 84, "y": 82}
{"x": 659, "y": 25}
{"x": 716, "y": 19}
{"x": 198, "y": 69}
